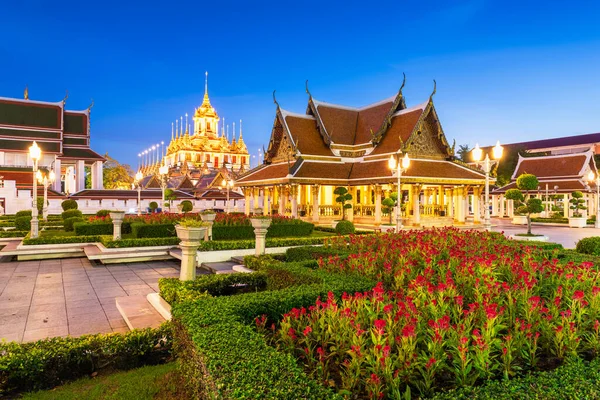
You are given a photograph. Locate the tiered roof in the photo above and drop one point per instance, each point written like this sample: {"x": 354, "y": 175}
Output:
{"x": 339, "y": 145}
{"x": 562, "y": 173}
{"x": 55, "y": 129}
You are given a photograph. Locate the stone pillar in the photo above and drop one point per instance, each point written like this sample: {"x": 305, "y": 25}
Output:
{"x": 117, "y": 219}
{"x": 494, "y": 205}
{"x": 460, "y": 198}
{"x": 476, "y": 203}
{"x": 378, "y": 203}
{"x": 80, "y": 175}
{"x": 350, "y": 211}
{"x": 282, "y": 195}
{"x": 501, "y": 199}
{"x": 255, "y": 202}
{"x": 294, "y": 195}
{"x": 510, "y": 208}
{"x": 260, "y": 233}
{"x": 247, "y": 193}
{"x": 566, "y": 205}
{"x": 455, "y": 212}
{"x": 188, "y": 260}
{"x": 97, "y": 176}
{"x": 440, "y": 195}
{"x": 266, "y": 201}
{"x": 315, "y": 203}
{"x": 449, "y": 205}
{"x": 57, "y": 183}
{"x": 416, "y": 205}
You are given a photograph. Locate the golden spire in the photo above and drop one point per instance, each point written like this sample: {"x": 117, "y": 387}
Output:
{"x": 172, "y": 132}
{"x": 26, "y": 93}
{"x": 240, "y": 130}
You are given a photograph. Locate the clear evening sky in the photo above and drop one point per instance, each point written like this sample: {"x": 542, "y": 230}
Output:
{"x": 510, "y": 70}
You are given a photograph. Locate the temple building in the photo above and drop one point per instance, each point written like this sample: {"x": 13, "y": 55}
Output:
{"x": 330, "y": 145}
{"x": 206, "y": 149}
{"x": 63, "y": 136}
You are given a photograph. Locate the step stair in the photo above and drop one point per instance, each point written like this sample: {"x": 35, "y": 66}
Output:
{"x": 138, "y": 313}
{"x": 98, "y": 252}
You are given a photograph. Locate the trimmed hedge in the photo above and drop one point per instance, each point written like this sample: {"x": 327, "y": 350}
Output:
{"x": 332, "y": 230}
{"x": 223, "y": 356}
{"x": 174, "y": 291}
{"x": 24, "y": 213}
{"x": 102, "y": 213}
{"x": 142, "y": 230}
{"x": 344, "y": 228}
{"x": 577, "y": 379}
{"x": 589, "y": 245}
{"x": 69, "y": 205}
{"x": 69, "y": 222}
{"x": 311, "y": 253}
{"x": 50, "y": 362}
{"x": 233, "y": 232}
{"x": 23, "y": 223}
{"x": 541, "y": 245}
{"x": 61, "y": 239}
{"x": 71, "y": 213}
{"x": 99, "y": 228}
{"x": 13, "y": 234}
{"x": 249, "y": 244}
{"x": 107, "y": 241}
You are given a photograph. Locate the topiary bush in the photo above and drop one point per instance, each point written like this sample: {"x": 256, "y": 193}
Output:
{"x": 23, "y": 223}
{"x": 68, "y": 223}
{"x": 153, "y": 206}
{"x": 103, "y": 213}
{"x": 186, "y": 206}
{"x": 69, "y": 205}
{"x": 71, "y": 213}
{"x": 344, "y": 228}
{"x": 24, "y": 213}
{"x": 589, "y": 245}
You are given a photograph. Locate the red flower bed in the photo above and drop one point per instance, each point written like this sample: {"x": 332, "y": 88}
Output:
{"x": 237, "y": 219}
{"x": 453, "y": 308}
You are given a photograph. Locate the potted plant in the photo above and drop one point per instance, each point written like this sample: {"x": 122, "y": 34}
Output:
{"x": 527, "y": 207}
{"x": 208, "y": 215}
{"x": 152, "y": 207}
{"x": 190, "y": 229}
{"x": 260, "y": 221}
{"x": 577, "y": 220}
{"x": 117, "y": 220}
{"x": 343, "y": 197}
{"x": 388, "y": 205}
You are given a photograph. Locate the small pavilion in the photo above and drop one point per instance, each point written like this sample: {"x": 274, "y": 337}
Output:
{"x": 331, "y": 145}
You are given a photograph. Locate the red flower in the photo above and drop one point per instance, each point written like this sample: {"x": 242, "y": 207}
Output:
{"x": 292, "y": 333}
{"x": 307, "y": 330}
{"x": 408, "y": 331}
{"x": 578, "y": 295}
{"x": 380, "y": 325}
{"x": 430, "y": 362}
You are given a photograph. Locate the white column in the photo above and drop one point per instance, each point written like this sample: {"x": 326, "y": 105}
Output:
{"x": 461, "y": 205}
{"x": 502, "y": 213}
{"x": 511, "y": 208}
{"x": 315, "y": 203}
{"x": 80, "y": 175}
{"x": 266, "y": 202}
{"x": 97, "y": 176}
{"x": 57, "y": 183}
{"x": 378, "y": 204}
{"x": 495, "y": 205}
{"x": 566, "y": 205}
{"x": 247, "y": 197}
{"x": 476, "y": 203}
{"x": 294, "y": 195}
{"x": 416, "y": 206}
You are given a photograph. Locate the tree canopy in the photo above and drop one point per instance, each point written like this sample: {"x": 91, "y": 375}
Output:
{"x": 116, "y": 175}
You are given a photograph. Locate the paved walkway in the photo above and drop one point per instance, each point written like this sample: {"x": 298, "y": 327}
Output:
{"x": 564, "y": 235}
{"x": 50, "y": 298}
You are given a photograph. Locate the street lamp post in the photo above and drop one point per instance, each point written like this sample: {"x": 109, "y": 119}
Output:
{"x": 596, "y": 179}
{"x": 138, "y": 182}
{"x": 36, "y": 154}
{"x": 487, "y": 165}
{"x": 398, "y": 167}
{"x": 228, "y": 184}
{"x": 163, "y": 172}
{"x": 46, "y": 181}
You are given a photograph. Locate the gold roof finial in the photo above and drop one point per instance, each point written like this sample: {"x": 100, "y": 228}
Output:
{"x": 172, "y": 137}
{"x": 206, "y": 84}
{"x": 240, "y": 130}
{"x": 26, "y": 93}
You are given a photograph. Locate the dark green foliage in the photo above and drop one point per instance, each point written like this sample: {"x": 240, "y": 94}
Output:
{"x": 577, "y": 203}
{"x": 332, "y": 230}
{"x": 71, "y": 213}
{"x": 186, "y": 206}
{"x": 542, "y": 245}
{"x": 153, "y": 206}
{"x": 173, "y": 290}
{"x": 69, "y": 205}
{"x": 69, "y": 222}
{"x": 24, "y": 213}
{"x": 233, "y": 232}
{"x": 40, "y": 205}
{"x": 15, "y": 234}
{"x": 527, "y": 182}
{"x": 344, "y": 228}
{"x": 574, "y": 380}
{"x": 343, "y": 197}
{"x": 50, "y": 362}
{"x": 389, "y": 203}
{"x": 514, "y": 194}
{"x": 142, "y": 230}
{"x": 85, "y": 229}
{"x": 249, "y": 244}
{"x": 223, "y": 356}
{"x": 144, "y": 242}
{"x": 310, "y": 253}
{"x": 23, "y": 223}
{"x": 103, "y": 213}
{"x": 61, "y": 240}
{"x": 589, "y": 245}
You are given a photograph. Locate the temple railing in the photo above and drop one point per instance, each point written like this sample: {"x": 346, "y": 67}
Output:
{"x": 364, "y": 210}
{"x": 330, "y": 211}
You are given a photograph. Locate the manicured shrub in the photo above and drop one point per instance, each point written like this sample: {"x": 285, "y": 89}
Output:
{"x": 141, "y": 230}
{"x": 276, "y": 230}
{"x": 23, "y": 223}
{"x": 23, "y": 213}
{"x": 103, "y": 213}
{"x": 50, "y": 362}
{"x": 153, "y": 206}
{"x": 144, "y": 242}
{"x": 61, "y": 240}
{"x": 40, "y": 205}
{"x": 186, "y": 206}
{"x": 13, "y": 234}
{"x": 71, "y": 213}
{"x": 69, "y": 205}
{"x": 86, "y": 229}
{"x": 249, "y": 244}
{"x": 68, "y": 223}
{"x": 311, "y": 253}
{"x": 589, "y": 245}
{"x": 344, "y": 228}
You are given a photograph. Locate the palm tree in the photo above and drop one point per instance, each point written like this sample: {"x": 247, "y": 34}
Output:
{"x": 463, "y": 152}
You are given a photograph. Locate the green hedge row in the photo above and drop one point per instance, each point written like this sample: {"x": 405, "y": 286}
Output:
{"x": 13, "y": 234}
{"x": 577, "y": 379}
{"x": 223, "y": 356}
{"x": 50, "y": 362}
{"x": 589, "y": 245}
{"x": 227, "y": 232}
{"x": 107, "y": 241}
{"x": 142, "y": 230}
{"x": 173, "y": 290}
{"x": 332, "y": 230}
{"x": 100, "y": 228}
{"x": 311, "y": 253}
{"x": 249, "y": 244}
{"x": 62, "y": 239}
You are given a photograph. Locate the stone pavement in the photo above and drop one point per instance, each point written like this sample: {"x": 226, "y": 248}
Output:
{"x": 50, "y": 298}
{"x": 564, "y": 235}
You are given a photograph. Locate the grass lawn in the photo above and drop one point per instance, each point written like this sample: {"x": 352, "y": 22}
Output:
{"x": 151, "y": 382}
{"x": 321, "y": 233}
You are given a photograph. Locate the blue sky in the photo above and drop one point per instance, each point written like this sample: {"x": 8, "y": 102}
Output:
{"x": 506, "y": 70}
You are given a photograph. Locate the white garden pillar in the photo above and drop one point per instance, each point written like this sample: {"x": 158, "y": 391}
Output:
{"x": 79, "y": 175}
{"x": 117, "y": 219}
{"x": 566, "y": 205}
{"x": 261, "y": 226}
{"x": 501, "y": 199}
{"x": 57, "y": 185}
{"x": 190, "y": 240}
{"x": 378, "y": 204}
{"x": 209, "y": 218}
